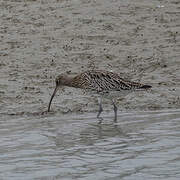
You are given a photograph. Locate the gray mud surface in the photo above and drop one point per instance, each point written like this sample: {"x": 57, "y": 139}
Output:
{"x": 41, "y": 39}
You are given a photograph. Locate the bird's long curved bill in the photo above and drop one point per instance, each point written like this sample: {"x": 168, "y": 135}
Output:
{"x": 55, "y": 90}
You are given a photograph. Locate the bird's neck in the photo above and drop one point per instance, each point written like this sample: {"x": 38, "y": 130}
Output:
{"x": 70, "y": 82}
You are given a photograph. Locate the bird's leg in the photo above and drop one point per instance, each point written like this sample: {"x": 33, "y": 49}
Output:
{"x": 100, "y": 108}
{"x": 115, "y": 110}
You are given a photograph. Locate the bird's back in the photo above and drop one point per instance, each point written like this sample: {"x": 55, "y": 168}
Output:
{"x": 105, "y": 81}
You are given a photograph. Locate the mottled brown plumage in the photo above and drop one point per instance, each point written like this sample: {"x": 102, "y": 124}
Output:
{"x": 100, "y": 82}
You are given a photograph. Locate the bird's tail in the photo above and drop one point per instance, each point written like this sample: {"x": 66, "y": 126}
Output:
{"x": 145, "y": 87}
{"x": 139, "y": 86}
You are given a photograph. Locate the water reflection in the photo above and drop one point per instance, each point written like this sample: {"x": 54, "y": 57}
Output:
{"x": 142, "y": 145}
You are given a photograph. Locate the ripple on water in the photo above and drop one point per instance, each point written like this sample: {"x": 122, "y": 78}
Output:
{"x": 143, "y": 146}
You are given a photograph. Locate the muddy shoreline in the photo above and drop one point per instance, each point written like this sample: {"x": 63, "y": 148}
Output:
{"x": 41, "y": 39}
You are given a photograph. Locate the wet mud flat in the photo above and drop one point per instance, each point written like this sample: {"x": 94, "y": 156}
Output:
{"x": 41, "y": 39}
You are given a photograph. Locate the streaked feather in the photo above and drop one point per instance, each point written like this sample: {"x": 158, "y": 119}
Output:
{"x": 105, "y": 81}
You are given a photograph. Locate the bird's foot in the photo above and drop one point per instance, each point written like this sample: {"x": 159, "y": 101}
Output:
{"x": 100, "y": 119}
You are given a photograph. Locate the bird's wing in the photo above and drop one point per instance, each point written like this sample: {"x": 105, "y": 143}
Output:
{"x": 105, "y": 81}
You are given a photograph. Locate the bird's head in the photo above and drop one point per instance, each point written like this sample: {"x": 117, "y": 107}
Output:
{"x": 61, "y": 80}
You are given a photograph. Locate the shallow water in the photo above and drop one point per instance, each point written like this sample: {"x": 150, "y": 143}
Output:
{"x": 142, "y": 145}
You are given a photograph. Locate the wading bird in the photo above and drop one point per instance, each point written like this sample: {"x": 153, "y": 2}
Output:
{"x": 103, "y": 83}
